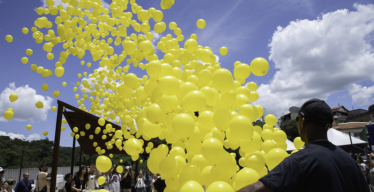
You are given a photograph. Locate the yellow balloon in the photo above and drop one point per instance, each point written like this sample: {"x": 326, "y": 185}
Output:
{"x": 249, "y": 111}
{"x": 251, "y": 145}
{"x": 169, "y": 85}
{"x": 168, "y": 167}
{"x": 194, "y": 101}
{"x": 279, "y": 136}
{"x": 205, "y": 120}
{"x": 245, "y": 177}
{"x": 45, "y": 87}
{"x": 191, "y": 45}
{"x": 253, "y": 96}
{"x": 212, "y": 150}
{"x": 25, "y": 30}
{"x": 59, "y": 71}
{"x": 24, "y": 60}
{"x": 29, "y": 52}
{"x": 271, "y": 120}
{"x": 223, "y": 50}
{"x": 267, "y": 134}
{"x": 56, "y": 93}
{"x": 192, "y": 186}
{"x": 103, "y": 163}
{"x": 298, "y": 143}
{"x": 45, "y": 133}
{"x": 183, "y": 125}
{"x": 152, "y": 130}
{"x": 101, "y": 180}
{"x": 255, "y": 161}
{"x": 8, "y": 114}
{"x": 221, "y": 119}
{"x": 9, "y": 38}
{"x": 133, "y": 146}
{"x": 101, "y": 121}
{"x": 155, "y": 114}
{"x": 268, "y": 145}
{"x": 242, "y": 71}
{"x": 28, "y": 127}
{"x": 39, "y": 104}
{"x": 190, "y": 173}
{"x": 252, "y": 86}
{"x": 274, "y": 157}
{"x": 201, "y": 23}
{"x": 259, "y": 66}
{"x": 119, "y": 169}
{"x": 241, "y": 127}
{"x": 13, "y": 97}
{"x": 222, "y": 80}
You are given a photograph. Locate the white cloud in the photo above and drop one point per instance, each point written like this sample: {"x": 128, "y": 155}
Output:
{"x": 59, "y": 2}
{"x": 316, "y": 58}
{"x": 31, "y": 137}
{"x": 24, "y": 108}
{"x": 217, "y": 59}
{"x": 156, "y": 38}
{"x": 362, "y": 95}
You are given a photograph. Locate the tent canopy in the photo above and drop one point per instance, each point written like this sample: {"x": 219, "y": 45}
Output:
{"x": 339, "y": 139}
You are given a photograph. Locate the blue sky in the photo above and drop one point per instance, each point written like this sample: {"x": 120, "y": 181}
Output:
{"x": 316, "y": 48}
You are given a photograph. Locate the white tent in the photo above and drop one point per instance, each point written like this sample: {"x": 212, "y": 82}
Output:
{"x": 340, "y": 139}
{"x": 336, "y": 137}
{"x": 290, "y": 145}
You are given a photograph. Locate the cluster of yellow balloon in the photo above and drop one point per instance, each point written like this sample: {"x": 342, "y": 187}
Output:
{"x": 199, "y": 109}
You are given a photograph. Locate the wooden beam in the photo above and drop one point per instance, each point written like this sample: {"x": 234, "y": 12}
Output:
{"x": 72, "y": 159}
{"x": 80, "y": 156}
{"x": 56, "y": 148}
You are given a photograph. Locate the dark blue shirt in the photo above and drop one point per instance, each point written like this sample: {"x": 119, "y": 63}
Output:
{"x": 22, "y": 186}
{"x": 321, "y": 166}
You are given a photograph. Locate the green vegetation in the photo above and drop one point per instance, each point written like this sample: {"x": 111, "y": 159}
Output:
{"x": 36, "y": 152}
{"x": 290, "y": 128}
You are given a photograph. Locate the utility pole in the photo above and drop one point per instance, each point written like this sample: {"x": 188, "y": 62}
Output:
{"x": 20, "y": 166}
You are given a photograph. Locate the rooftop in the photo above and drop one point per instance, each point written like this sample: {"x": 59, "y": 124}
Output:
{"x": 350, "y": 125}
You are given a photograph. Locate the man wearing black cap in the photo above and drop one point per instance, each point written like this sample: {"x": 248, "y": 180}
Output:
{"x": 42, "y": 184}
{"x": 320, "y": 166}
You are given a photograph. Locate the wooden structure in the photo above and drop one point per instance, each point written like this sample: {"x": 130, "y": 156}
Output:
{"x": 79, "y": 118}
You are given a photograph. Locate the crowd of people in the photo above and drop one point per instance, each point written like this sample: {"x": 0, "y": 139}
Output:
{"x": 86, "y": 179}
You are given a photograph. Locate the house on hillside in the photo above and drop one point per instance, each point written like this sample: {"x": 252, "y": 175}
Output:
{"x": 341, "y": 113}
{"x": 288, "y": 117}
{"x": 354, "y": 128}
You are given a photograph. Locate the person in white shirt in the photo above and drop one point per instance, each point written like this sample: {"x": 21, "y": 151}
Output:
{"x": 140, "y": 182}
{"x": 42, "y": 183}
{"x": 115, "y": 186}
{"x": 93, "y": 175}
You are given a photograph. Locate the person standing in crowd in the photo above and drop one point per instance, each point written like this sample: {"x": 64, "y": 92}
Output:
{"x": 116, "y": 177}
{"x": 80, "y": 180}
{"x": 148, "y": 182}
{"x": 68, "y": 178}
{"x": 154, "y": 178}
{"x": 42, "y": 184}
{"x": 93, "y": 176}
{"x": 140, "y": 185}
{"x": 359, "y": 164}
{"x": 24, "y": 185}
{"x": 126, "y": 180}
{"x": 3, "y": 186}
{"x": 320, "y": 166}
{"x": 160, "y": 185}
{"x": 2, "y": 179}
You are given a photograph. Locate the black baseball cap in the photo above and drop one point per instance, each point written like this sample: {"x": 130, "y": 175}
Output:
{"x": 315, "y": 111}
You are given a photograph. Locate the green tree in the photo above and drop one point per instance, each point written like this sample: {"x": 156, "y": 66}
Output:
{"x": 290, "y": 128}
